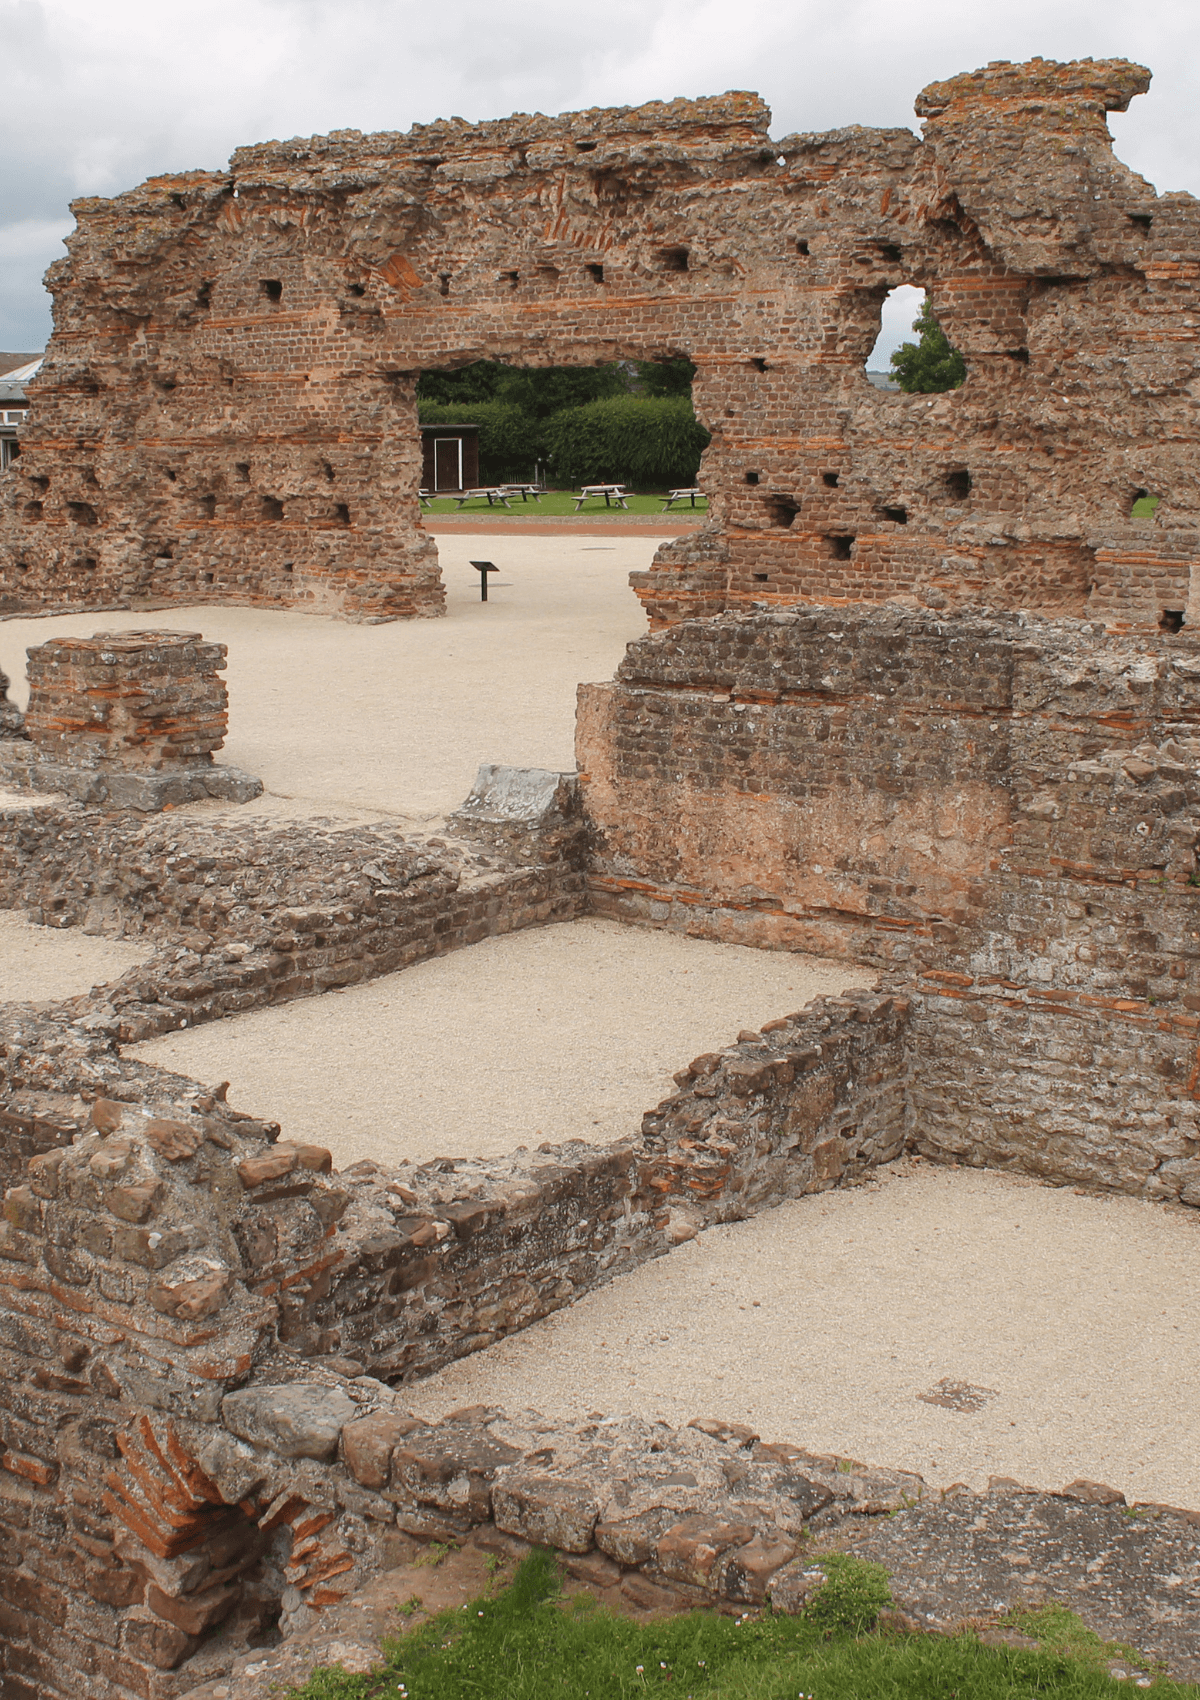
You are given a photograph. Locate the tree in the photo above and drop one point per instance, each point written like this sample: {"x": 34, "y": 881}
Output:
{"x": 649, "y": 441}
{"x": 537, "y": 390}
{"x": 666, "y": 377}
{"x": 930, "y": 365}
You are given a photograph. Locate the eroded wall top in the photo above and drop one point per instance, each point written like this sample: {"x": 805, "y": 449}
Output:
{"x": 227, "y": 411}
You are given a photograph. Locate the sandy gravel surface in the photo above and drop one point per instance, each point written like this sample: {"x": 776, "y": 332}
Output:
{"x": 570, "y": 1031}
{"x": 342, "y": 719}
{"x": 823, "y": 1321}
{"x": 38, "y": 963}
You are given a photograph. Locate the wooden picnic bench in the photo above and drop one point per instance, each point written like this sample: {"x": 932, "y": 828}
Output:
{"x": 494, "y": 493}
{"x": 525, "y": 491}
{"x": 677, "y": 496}
{"x": 423, "y": 497}
{"x": 614, "y": 495}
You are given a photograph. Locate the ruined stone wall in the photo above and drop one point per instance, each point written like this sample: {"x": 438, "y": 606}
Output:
{"x": 171, "y": 1270}
{"x": 1000, "y": 810}
{"x": 227, "y": 413}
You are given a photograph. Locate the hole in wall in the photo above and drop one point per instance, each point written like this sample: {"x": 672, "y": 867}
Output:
{"x": 541, "y": 442}
{"x": 170, "y": 474}
{"x": 1172, "y": 620}
{"x": 242, "y": 468}
{"x": 204, "y": 294}
{"x": 898, "y": 515}
{"x": 341, "y": 513}
{"x": 802, "y": 245}
{"x": 889, "y": 252}
{"x": 1142, "y": 505}
{"x": 34, "y": 510}
{"x": 782, "y": 510}
{"x": 178, "y": 201}
{"x": 596, "y": 273}
{"x": 287, "y": 566}
{"x": 208, "y": 578}
{"x": 357, "y": 290}
{"x": 443, "y": 283}
{"x": 1020, "y": 355}
{"x": 752, "y": 478}
{"x": 272, "y": 288}
{"x": 1141, "y": 221}
{"x": 89, "y": 563}
{"x": 585, "y": 147}
{"x": 761, "y": 578}
{"x": 830, "y": 479}
{"x": 208, "y": 507}
{"x": 673, "y": 259}
{"x": 512, "y": 279}
{"x": 272, "y": 507}
{"x": 840, "y": 547}
{"x": 958, "y": 483}
{"x": 758, "y": 363}
{"x": 927, "y": 363}
{"x": 39, "y": 481}
{"x": 82, "y": 513}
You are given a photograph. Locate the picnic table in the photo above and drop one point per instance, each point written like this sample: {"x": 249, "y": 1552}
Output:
{"x": 677, "y": 496}
{"x": 525, "y": 491}
{"x": 494, "y": 493}
{"x": 423, "y": 497}
{"x": 614, "y": 495}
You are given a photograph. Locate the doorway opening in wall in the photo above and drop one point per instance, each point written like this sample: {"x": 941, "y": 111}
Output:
{"x": 556, "y": 429}
{"x": 911, "y": 352}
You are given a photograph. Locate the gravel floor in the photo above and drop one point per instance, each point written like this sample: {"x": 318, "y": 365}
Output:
{"x": 563, "y": 1032}
{"x": 40, "y": 963}
{"x": 824, "y": 1321}
{"x": 346, "y": 720}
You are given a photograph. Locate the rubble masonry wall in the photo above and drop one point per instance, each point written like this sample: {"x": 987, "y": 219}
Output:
{"x": 227, "y": 408}
{"x": 1001, "y": 811}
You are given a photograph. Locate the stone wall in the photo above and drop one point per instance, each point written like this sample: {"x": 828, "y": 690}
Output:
{"x": 227, "y": 407}
{"x": 170, "y": 1269}
{"x": 1002, "y": 812}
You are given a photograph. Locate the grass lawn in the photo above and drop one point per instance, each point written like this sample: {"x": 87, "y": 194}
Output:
{"x": 555, "y": 503}
{"x": 528, "y": 1643}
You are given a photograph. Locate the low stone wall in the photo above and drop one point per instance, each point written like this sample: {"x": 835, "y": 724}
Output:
{"x": 172, "y": 1267}
{"x": 1001, "y": 811}
{"x": 242, "y": 913}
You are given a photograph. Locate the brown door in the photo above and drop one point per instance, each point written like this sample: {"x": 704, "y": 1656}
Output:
{"x": 447, "y": 463}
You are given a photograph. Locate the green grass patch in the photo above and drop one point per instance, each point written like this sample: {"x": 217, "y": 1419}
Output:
{"x": 557, "y": 503}
{"x": 1144, "y": 507}
{"x": 1058, "y": 1630}
{"x": 529, "y": 1643}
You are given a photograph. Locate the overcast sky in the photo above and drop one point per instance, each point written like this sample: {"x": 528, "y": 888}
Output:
{"x": 97, "y": 97}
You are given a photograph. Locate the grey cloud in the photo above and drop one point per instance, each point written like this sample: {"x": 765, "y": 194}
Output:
{"x": 97, "y": 98}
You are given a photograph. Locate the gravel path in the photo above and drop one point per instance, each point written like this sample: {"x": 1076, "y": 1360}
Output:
{"x": 341, "y": 719}
{"x": 39, "y": 963}
{"x": 564, "y": 1032}
{"x": 822, "y": 1323}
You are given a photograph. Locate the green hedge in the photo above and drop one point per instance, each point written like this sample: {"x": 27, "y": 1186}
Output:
{"x": 647, "y": 441}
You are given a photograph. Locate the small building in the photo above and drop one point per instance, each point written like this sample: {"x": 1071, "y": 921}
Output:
{"x": 13, "y": 408}
{"x": 449, "y": 457}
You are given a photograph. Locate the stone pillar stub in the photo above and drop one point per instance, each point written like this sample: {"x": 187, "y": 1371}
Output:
{"x": 130, "y": 719}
